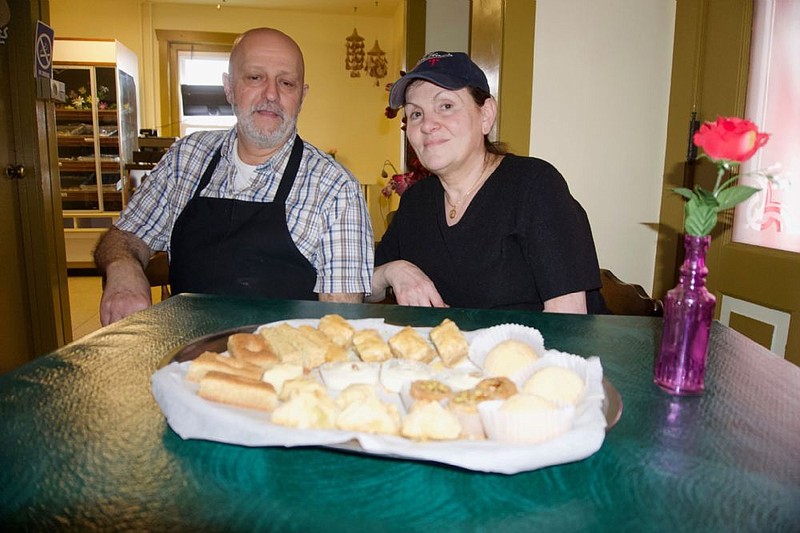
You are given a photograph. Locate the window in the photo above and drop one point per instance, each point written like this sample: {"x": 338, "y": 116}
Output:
{"x": 202, "y": 101}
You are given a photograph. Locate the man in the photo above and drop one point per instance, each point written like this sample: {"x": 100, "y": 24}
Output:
{"x": 249, "y": 211}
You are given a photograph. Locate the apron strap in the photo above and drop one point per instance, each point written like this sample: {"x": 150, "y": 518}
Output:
{"x": 291, "y": 171}
{"x": 209, "y": 171}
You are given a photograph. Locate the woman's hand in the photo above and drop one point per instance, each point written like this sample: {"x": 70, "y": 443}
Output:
{"x": 411, "y": 285}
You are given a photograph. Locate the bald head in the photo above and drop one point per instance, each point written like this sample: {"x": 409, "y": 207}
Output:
{"x": 269, "y": 40}
{"x": 265, "y": 84}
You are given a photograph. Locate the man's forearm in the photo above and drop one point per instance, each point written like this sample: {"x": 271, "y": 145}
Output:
{"x": 117, "y": 245}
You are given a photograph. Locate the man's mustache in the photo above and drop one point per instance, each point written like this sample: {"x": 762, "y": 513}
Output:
{"x": 269, "y": 107}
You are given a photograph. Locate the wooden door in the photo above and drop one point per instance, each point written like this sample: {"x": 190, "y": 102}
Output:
{"x": 34, "y": 305}
{"x": 757, "y": 289}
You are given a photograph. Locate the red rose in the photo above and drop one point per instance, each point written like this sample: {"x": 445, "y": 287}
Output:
{"x": 730, "y": 139}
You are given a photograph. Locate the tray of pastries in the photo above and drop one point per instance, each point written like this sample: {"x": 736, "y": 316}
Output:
{"x": 490, "y": 400}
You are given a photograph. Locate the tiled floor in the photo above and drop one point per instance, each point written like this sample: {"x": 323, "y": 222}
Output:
{"x": 84, "y": 303}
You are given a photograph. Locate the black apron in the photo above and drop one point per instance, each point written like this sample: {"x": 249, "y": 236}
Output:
{"x": 234, "y": 247}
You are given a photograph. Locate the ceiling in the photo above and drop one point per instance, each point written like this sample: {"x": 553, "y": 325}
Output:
{"x": 381, "y": 8}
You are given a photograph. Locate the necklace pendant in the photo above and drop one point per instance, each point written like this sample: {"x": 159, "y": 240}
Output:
{"x": 453, "y": 213}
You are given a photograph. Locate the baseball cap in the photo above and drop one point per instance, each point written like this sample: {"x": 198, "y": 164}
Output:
{"x": 451, "y": 70}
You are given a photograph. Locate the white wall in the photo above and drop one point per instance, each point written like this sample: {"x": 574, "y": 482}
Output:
{"x": 599, "y": 114}
{"x": 447, "y": 26}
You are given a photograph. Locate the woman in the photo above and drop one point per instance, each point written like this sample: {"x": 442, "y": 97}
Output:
{"x": 488, "y": 229}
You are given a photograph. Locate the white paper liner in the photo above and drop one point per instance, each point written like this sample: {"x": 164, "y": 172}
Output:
{"x": 192, "y": 417}
{"x": 524, "y": 428}
{"x": 487, "y": 339}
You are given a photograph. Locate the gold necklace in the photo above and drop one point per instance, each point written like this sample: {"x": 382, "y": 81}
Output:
{"x": 454, "y": 206}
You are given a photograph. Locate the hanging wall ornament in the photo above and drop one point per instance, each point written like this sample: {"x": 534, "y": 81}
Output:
{"x": 377, "y": 66}
{"x": 354, "y": 62}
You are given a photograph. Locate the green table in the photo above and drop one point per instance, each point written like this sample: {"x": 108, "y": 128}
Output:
{"x": 83, "y": 445}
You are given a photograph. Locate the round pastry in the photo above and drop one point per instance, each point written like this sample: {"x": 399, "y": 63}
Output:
{"x": 498, "y": 388}
{"x": 527, "y": 403}
{"x": 525, "y": 418}
{"x": 357, "y": 392}
{"x": 509, "y": 357}
{"x": 252, "y": 348}
{"x": 557, "y": 384}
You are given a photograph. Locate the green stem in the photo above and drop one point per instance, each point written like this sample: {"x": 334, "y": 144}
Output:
{"x": 720, "y": 173}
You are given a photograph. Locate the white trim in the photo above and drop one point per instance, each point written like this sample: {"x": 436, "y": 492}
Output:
{"x": 779, "y": 319}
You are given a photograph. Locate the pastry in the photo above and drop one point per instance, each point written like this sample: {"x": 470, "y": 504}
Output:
{"x": 238, "y": 391}
{"x": 459, "y": 379}
{"x": 337, "y": 329}
{"x": 278, "y": 374}
{"x": 497, "y": 388}
{"x": 408, "y": 344}
{"x": 208, "y": 361}
{"x": 525, "y": 418}
{"x": 370, "y": 346}
{"x": 464, "y": 405}
{"x": 557, "y": 384}
{"x": 307, "y": 410}
{"x": 509, "y": 357}
{"x": 357, "y": 392}
{"x": 299, "y": 385}
{"x": 252, "y": 348}
{"x": 370, "y": 416}
{"x": 430, "y": 390}
{"x": 339, "y": 375}
{"x": 397, "y": 372}
{"x": 450, "y": 343}
{"x": 333, "y": 352}
{"x": 430, "y": 421}
{"x": 293, "y": 347}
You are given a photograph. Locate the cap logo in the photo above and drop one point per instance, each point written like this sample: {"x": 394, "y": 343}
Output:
{"x": 433, "y": 57}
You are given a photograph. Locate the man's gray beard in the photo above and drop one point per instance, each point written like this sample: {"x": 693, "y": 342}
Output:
{"x": 248, "y": 128}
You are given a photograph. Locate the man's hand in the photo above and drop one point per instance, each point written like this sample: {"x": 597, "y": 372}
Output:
{"x": 126, "y": 291}
{"x": 122, "y": 257}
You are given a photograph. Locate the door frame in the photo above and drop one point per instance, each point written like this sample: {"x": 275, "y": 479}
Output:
{"x": 39, "y": 195}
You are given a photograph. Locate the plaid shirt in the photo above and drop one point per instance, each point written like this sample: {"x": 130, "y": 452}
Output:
{"x": 325, "y": 211}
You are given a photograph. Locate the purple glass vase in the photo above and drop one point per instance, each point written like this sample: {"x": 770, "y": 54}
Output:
{"x": 680, "y": 367}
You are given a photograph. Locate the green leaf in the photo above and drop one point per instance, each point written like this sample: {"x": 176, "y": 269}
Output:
{"x": 734, "y": 195}
{"x": 683, "y": 191}
{"x": 700, "y": 217}
{"x": 706, "y": 197}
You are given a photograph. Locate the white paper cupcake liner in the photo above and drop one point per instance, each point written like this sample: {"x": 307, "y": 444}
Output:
{"x": 524, "y": 427}
{"x": 395, "y": 373}
{"x": 483, "y": 343}
{"x": 588, "y": 369}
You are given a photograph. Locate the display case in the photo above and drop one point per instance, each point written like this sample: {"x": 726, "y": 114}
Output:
{"x": 96, "y": 130}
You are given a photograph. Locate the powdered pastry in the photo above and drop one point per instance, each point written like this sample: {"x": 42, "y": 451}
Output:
{"x": 508, "y": 358}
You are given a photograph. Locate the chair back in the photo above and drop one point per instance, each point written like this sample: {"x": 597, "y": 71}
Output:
{"x": 627, "y": 298}
{"x": 157, "y": 273}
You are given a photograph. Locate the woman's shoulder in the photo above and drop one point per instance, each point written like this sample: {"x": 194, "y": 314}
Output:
{"x": 529, "y": 172}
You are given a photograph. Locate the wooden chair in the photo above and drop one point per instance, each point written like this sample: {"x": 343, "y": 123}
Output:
{"x": 157, "y": 273}
{"x": 626, "y": 298}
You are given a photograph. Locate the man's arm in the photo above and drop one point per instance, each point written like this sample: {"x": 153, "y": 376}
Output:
{"x": 342, "y": 297}
{"x": 122, "y": 257}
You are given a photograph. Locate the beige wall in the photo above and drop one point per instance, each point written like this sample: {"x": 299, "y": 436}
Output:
{"x": 600, "y": 103}
{"x": 340, "y": 112}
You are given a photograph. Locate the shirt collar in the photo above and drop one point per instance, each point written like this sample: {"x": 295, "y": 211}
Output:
{"x": 275, "y": 163}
